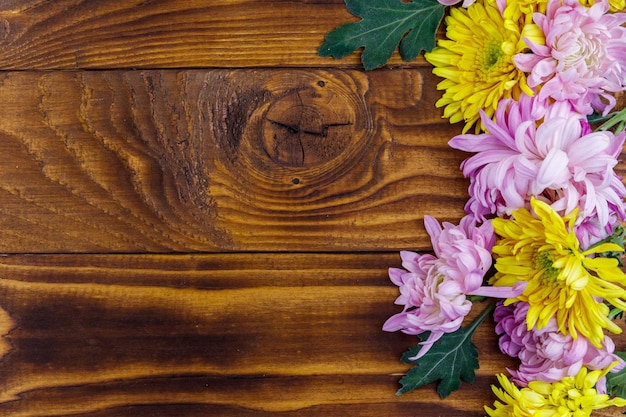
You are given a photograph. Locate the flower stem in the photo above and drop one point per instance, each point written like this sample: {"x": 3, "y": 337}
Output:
{"x": 616, "y": 313}
{"x": 478, "y": 320}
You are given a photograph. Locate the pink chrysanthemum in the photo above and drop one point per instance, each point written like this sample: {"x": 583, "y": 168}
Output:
{"x": 433, "y": 289}
{"x": 583, "y": 60}
{"x": 548, "y": 355}
{"x": 546, "y": 151}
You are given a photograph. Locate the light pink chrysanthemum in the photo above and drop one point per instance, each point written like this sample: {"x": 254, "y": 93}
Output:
{"x": 433, "y": 289}
{"x": 546, "y": 151}
{"x": 548, "y": 355}
{"x": 583, "y": 60}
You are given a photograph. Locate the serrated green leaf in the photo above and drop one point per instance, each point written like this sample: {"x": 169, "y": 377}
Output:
{"x": 616, "y": 382}
{"x": 453, "y": 358}
{"x": 384, "y": 25}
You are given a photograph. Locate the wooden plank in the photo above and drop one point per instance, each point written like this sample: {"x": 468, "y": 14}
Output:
{"x": 80, "y": 34}
{"x": 223, "y": 160}
{"x": 220, "y": 335}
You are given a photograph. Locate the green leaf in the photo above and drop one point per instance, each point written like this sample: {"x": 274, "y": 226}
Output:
{"x": 616, "y": 382}
{"x": 453, "y": 358}
{"x": 383, "y": 25}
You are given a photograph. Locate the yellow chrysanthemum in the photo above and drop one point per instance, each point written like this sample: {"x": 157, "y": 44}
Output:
{"x": 614, "y": 5}
{"x": 522, "y": 10}
{"x": 561, "y": 280}
{"x": 476, "y": 62}
{"x": 574, "y": 396}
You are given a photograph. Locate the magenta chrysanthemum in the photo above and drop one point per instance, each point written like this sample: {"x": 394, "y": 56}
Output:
{"x": 546, "y": 151}
{"x": 583, "y": 60}
{"x": 548, "y": 355}
{"x": 433, "y": 289}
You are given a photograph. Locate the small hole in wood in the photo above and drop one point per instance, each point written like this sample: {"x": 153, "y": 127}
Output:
{"x": 296, "y": 180}
{"x": 321, "y": 83}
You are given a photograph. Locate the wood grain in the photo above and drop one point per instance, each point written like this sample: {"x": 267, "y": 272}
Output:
{"x": 223, "y": 335}
{"x": 80, "y": 34}
{"x": 223, "y": 160}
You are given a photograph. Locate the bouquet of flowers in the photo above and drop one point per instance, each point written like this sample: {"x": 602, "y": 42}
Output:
{"x": 535, "y": 84}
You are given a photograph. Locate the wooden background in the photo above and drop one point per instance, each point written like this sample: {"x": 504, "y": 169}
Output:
{"x": 197, "y": 213}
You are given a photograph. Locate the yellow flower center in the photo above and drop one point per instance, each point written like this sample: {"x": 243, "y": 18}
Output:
{"x": 491, "y": 55}
{"x": 543, "y": 262}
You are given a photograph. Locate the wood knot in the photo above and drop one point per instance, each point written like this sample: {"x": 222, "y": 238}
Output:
{"x": 308, "y": 126}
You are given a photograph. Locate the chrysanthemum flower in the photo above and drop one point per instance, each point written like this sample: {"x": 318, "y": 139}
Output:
{"x": 548, "y": 355}
{"x": 561, "y": 280}
{"x": 433, "y": 289}
{"x": 583, "y": 58}
{"x": 573, "y": 396}
{"x": 476, "y": 62}
{"x": 546, "y": 151}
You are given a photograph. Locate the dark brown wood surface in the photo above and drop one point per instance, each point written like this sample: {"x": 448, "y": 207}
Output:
{"x": 197, "y": 213}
